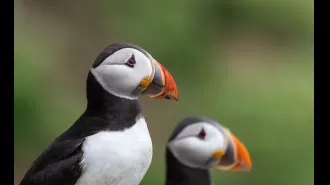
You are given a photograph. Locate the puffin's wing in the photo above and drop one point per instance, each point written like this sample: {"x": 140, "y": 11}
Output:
{"x": 59, "y": 164}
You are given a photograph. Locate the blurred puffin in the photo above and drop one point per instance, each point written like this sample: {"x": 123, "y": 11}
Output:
{"x": 198, "y": 144}
{"x": 110, "y": 142}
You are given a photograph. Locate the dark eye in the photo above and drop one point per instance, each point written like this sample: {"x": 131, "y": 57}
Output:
{"x": 131, "y": 61}
{"x": 201, "y": 134}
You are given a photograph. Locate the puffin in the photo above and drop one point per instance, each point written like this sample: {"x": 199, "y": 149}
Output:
{"x": 109, "y": 144}
{"x": 198, "y": 144}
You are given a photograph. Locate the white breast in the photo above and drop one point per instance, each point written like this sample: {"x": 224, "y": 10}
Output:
{"x": 117, "y": 158}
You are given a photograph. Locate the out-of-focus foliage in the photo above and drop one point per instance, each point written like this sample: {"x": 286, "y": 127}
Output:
{"x": 248, "y": 64}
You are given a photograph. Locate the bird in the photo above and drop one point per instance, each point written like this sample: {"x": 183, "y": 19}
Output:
{"x": 198, "y": 144}
{"x": 109, "y": 144}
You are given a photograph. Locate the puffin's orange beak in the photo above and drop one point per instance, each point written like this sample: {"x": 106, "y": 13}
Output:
{"x": 243, "y": 160}
{"x": 162, "y": 86}
{"x": 236, "y": 157}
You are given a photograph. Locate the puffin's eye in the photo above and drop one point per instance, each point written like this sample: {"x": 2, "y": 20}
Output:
{"x": 201, "y": 134}
{"x": 131, "y": 61}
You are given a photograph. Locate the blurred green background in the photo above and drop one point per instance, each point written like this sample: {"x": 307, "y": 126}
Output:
{"x": 248, "y": 64}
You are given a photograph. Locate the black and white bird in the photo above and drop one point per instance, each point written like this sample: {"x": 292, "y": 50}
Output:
{"x": 109, "y": 144}
{"x": 198, "y": 144}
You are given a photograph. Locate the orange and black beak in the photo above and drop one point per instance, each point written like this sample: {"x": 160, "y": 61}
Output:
{"x": 236, "y": 157}
{"x": 161, "y": 84}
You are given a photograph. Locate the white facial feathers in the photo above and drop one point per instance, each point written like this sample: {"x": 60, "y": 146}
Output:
{"x": 194, "y": 151}
{"x": 120, "y": 79}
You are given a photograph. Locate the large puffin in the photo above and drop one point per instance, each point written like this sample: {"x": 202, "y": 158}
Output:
{"x": 198, "y": 144}
{"x": 109, "y": 144}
